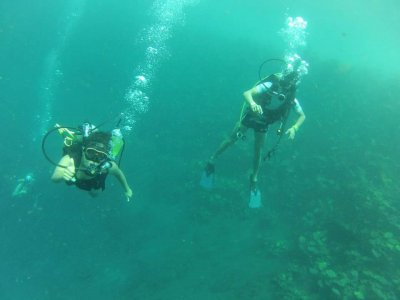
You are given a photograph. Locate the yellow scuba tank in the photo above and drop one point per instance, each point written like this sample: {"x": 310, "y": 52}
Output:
{"x": 117, "y": 142}
{"x": 69, "y": 136}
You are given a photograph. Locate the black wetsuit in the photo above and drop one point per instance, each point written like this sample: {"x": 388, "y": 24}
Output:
{"x": 95, "y": 183}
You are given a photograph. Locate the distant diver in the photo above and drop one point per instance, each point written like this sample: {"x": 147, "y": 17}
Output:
{"x": 23, "y": 185}
{"x": 269, "y": 101}
{"x": 89, "y": 156}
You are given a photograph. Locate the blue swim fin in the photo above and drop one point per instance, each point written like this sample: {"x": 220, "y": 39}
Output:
{"x": 207, "y": 177}
{"x": 255, "y": 198}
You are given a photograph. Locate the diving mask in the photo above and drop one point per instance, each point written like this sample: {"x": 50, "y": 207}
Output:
{"x": 95, "y": 155}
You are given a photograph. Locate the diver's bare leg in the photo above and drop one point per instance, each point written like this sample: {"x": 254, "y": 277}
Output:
{"x": 237, "y": 132}
{"x": 259, "y": 139}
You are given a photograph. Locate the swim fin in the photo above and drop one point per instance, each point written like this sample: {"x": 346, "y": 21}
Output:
{"x": 255, "y": 194}
{"x": 207, "y": 177}
{"x": 255, "y": 199}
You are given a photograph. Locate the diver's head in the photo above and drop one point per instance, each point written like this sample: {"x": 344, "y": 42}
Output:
{"x": 96, "y": 150}
{"x": 294, "y": 70}
{"x": 29, "y": 177}
{"x": 289, "y": 79}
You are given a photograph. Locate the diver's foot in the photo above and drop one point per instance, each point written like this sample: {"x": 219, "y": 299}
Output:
{"x": 253, "y": 184}
{"x": 210, "y": 168}
{"x": 207, "y": 177}
{"x": 255, "y": 194}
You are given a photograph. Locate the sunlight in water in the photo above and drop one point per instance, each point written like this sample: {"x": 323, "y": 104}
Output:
{"x": 52, "y": 74}
{"x": 168, "y": 14}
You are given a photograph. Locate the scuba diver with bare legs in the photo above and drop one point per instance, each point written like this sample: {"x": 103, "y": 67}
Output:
{"x": 268, "y": 102}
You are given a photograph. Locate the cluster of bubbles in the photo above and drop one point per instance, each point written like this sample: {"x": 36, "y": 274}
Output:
{"x": 167, "y": 15}
{"x": 296, "y": 63}
{"x": 51, "y": 78}
{"x": 53, "y": 74}
{"x": 294, "y": 34}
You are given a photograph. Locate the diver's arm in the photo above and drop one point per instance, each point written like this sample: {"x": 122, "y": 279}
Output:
{"x": 18, "y": 189}
{"x": 66, "y": 172}
{"x": 300, "y": 114}
{"x": 116, "y": 171}
{"x": 249, "y": 98}
{"x": 300, "y": 119}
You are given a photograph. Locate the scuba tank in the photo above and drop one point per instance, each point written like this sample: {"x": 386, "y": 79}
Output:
{"x": 68, "y": 135}
{"x": 117, "y": 142}
{"x": 87, "y": 129}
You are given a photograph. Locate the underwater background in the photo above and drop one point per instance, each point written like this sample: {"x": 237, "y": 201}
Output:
{"x": 330, "y": 222}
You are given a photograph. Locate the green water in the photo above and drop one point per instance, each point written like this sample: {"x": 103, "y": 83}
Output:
{"x": 329, "y": 226}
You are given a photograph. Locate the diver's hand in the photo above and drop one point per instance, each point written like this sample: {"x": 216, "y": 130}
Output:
{"x": 128, "y": 194}
{"x": 291, "y": 132}
{"x": 256, "y": 108}
{"x": 69, "y": 171}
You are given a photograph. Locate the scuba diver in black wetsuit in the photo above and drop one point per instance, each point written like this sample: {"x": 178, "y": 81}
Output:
{"x": 269, "y": 101}
{"x": 88, "y": 160}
